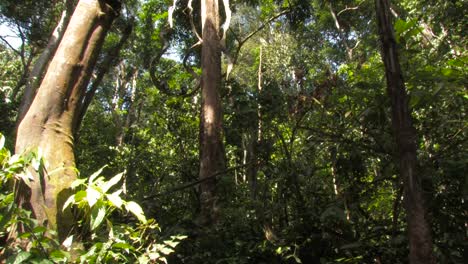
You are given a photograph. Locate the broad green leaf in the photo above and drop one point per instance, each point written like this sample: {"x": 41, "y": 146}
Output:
{"x": 97, "y": 215}
{"x": 92, "y": 195}
{"x": 97, "y": 173}
{"x": 79, "y": 196}
{"x": 39, "y": 229}
{"x": 69, "y": 201}
{"x": 20, "y": 258}
{"x": 166, "y": 250}
{"x": 107, "y": 185}
{"x": 135, "y": 209}
{"x": 115, "y": 199}
{"x": 59, "y": 255}
{"x": 123, "y": 246}
{"x": 77, "y": 183}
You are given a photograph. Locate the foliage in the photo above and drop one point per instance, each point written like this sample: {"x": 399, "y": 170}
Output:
{"x": 306, "y": 116}
{"x": 127, "y": 242}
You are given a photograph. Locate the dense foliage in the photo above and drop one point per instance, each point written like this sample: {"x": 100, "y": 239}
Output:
{"x": 311, "y": 164}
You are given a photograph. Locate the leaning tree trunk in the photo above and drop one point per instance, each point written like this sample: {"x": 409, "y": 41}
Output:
{"x": 211, "y": 146}
{"x": 419, "y": 231}
{"x": 37, "y": 72}
{"x": 49, "y": 122}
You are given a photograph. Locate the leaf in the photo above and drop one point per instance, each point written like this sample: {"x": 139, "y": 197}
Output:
{"x": 67, "y": 243}
{"x": 166, "y": 250}
{"x": 70, "y": 200}
{"x": 97, "y": 215}
{"x": 77, "y": 183}
{"x": 20, "y": 258}
{"x": 2, "y": 141}
{"x": 115, "y": 199}
{"x": 107, "y": 185}
{"x": 123, "y": 246}
{"x": 39, "y": 229}
{"x": 97, "y": 173}
{"x": 59, "y": 255}
{"x": 135, "y": 209}
{"x": 92, "y": 195}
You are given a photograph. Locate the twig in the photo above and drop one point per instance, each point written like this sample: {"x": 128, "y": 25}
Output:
{"x": 194, "y": 183}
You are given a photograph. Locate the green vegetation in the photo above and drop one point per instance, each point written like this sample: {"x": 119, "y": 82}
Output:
{"x": 310, "y": 167}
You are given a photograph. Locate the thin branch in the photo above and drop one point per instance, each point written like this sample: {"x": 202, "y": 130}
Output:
{"x": 194, "y": 183}
{"x": 10, "y": 46}
{"x": 350, "y": 8}
{"x": 245, "y": 39}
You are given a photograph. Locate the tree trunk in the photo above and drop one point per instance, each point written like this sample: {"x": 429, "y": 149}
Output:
{"x": 111, "y": 58}
{"x": 211, "y": 145}
{"x": 419, "y": 231}
{"x": 49, "y": 122}
{"x": 35, "y": 76}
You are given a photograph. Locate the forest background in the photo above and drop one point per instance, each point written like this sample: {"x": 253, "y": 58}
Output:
{"x": 239, "y": 131}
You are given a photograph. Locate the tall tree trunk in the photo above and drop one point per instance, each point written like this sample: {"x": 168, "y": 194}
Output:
{"x": 35, "y": 76}
{"x": 111, "y": 58}
{"x": 211, "y": 145}
{"x": 419, "y": 231}
{"x": 49, "y": 122}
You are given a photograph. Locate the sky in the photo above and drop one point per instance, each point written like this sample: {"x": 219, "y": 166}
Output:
{"x": 9, "y": 35}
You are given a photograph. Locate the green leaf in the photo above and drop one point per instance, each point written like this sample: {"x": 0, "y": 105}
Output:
{"x": 115, "y": 199}
{"x": 123, "y": 246}
{"x": 59, "y": 255}
{"x": 107, "y": 185}
{"x": 92, "y": 195}
{"x": 135, "y": 209}
{"x": 79, "y": 196}
{"x": 39, "y": 229}
{"x": 2, "y": 141}
{"x": 77, "y": 183}
{"x": 20, "y": 258}
{"x": 97, "y": 215}
{"x": 97, "y": 173}
{"x": 70, "y": 200}
{"x": 166, "y": 250}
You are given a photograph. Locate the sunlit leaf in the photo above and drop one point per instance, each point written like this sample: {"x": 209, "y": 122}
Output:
{"x": 115, "y": 199}
{"x": 77, "y": 183}
{"x": 67, "y": 243}
{"x": 69, "y": 201}
{"x": 2, "y": 141}
{"x": 135, "y": 209}
{"x": 92, "y": 195}
{"x": 97, "y": 173}
{"x": 107, "y": 185}
{"x": 97, "y": 215}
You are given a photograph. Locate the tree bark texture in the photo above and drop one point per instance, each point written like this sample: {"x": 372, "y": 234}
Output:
{"x": 419, "y": 231}
{"x": 35, "y": 76}
{"x": 211, "y": 145}
{"x": 49, "y": 122}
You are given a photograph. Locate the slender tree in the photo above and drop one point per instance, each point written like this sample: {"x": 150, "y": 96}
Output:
{"x": 211, "y": 146}
{"x": 419, "y": 231}
{"x": 52, "y": 116}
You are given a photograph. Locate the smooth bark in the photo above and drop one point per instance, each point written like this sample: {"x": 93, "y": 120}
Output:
{"x": 419, "y": 231}
{"x": 211, "y": 145}
{"x": 35, "y": 76}
{"x": 49, "y": 122}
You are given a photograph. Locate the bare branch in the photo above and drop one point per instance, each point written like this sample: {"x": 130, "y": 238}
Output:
{"x": 349, "y": 8}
